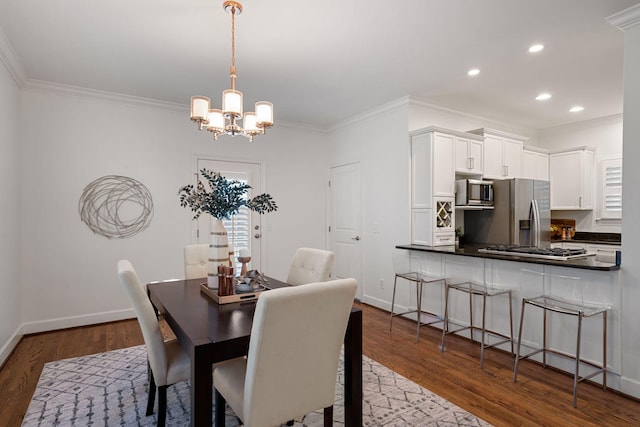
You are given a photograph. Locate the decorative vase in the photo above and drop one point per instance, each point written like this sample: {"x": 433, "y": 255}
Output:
{"x": 218, "y": 252}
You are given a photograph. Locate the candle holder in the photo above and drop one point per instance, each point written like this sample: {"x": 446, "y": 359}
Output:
{"x": 244, "y": 260}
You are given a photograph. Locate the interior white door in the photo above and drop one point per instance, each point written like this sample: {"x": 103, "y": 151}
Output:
{"x": 345, "y": 217}
{"x": 244, "y": 229}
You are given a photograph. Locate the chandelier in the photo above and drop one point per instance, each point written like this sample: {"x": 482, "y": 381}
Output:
{"x": 225, "y": 121}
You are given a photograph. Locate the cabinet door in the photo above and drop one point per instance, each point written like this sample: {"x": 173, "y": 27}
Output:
{"x": 535, "y": 165}
{"x": 493, "y": 157}
{"x": 567, "y": 181}
{"x": 512, "y": 158}
{"x": 421, "y": 226}
{"x": 462, "y": 155}
{"x": 443, "y": 164}
{"x": 476, "y": 155}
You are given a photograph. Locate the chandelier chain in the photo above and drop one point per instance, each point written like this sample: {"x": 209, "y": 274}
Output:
{"x": 233, "y": 40}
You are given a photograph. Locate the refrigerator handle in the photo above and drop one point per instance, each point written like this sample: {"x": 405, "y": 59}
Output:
{"x": 535, "y": 232}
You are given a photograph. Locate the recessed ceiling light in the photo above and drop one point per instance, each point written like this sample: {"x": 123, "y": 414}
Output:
{"x": 576, "y": 109}
{"x": 473, "y": 72}
{"x": 536, "y": 48}
{"x": 543, "y": 96}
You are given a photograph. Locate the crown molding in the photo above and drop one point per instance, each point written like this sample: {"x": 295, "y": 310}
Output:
{"x": 10, "y": 60}
{"x": 625, "y": 19}
{"x": 385, "y": 108}
{"x": 424, "y": 105}
{"x": 82, "y": 92}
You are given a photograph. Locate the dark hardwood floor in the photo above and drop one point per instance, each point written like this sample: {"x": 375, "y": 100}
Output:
{"x": 541, "y": 396}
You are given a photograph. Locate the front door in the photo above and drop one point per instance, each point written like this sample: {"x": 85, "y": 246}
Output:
{"x": 244, "y": 229}
{"x": 345, "y": 219}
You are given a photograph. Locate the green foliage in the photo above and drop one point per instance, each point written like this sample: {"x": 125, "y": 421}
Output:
{"x": 224, "y": 199}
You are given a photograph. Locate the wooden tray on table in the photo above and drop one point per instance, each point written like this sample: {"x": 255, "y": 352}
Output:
{"x": 227, "y": 299}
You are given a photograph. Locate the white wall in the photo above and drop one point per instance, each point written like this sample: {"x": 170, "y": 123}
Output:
{"x": 10, "y": 280}
{"x": 69, "y": 273}
{"x": 630, "y": 273}
{"x": 605, "y": 135}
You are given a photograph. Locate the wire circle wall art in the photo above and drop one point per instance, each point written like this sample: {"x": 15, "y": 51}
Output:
{"x": 116, "y": 206}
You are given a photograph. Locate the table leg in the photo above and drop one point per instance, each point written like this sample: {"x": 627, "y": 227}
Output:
{"x": 353, "y": 371}
{"x": 201, "y": 389}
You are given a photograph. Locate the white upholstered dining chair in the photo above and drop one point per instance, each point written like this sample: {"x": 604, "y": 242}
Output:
{"x": 196, "y": 260}
{"x": 169, "y": 363}
{"x": 292, "y": 364}
{"x": 310, "y": 265}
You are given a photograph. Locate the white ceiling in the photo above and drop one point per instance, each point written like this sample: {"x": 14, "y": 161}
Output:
{"x": 321, "y": 62}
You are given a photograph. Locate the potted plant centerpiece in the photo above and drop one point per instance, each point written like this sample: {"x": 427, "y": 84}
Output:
{"x": 221, "y": 199}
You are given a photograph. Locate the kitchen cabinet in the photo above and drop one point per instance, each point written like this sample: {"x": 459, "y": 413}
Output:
{"x": 433, "y": 186}
{"x": 571, "y": 173}
{"x": 502, "y": 153}
{"x": 469, "y": 155}
{"x": 535, "y": 163}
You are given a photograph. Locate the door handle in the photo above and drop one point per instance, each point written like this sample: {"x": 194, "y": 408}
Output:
{"x": 356, "y": 238}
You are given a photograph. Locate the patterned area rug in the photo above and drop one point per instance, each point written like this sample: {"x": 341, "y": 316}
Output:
{"x": 110, "y": 389}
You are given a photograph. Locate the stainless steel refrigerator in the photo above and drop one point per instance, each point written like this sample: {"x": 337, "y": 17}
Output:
{"x": 521, "y": 215}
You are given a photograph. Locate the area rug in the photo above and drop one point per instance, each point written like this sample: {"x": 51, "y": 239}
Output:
{"x": 110, "y": 389}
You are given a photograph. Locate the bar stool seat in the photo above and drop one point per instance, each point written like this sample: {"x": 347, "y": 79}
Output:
{"x": 565, "y": 306}
{"x": 412, "y": 269}
{"x": 485, "y": 291}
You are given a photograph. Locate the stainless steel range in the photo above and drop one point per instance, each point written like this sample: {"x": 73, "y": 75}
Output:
{"x": 540, "y": 253}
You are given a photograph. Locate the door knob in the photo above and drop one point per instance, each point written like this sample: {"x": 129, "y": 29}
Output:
{"x": 257, "y": 235}
{"x": 356, "y": 238}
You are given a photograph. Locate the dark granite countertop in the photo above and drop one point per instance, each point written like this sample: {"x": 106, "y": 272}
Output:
{"x": 471, "y": 249}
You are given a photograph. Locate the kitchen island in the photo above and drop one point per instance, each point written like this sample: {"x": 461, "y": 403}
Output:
{"x": 598, "y": 282}
{"x": 471, "y": 250}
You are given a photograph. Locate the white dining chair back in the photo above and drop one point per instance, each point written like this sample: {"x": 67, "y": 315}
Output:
{"x": 310, "y": 265}
{"x": 292, "y": 364}
{"x": 169, "y": 363}
{"x": 196, "y": 260}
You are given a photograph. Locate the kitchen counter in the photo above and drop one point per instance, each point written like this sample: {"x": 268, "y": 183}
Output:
{"x": 471, "y": 249}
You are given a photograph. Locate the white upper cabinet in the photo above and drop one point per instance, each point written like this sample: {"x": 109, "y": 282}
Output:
{"x": 502, "y": 154}
{"x": 571, "y": 173}
{"x": 535, "y": 163}
{"x": 433, "y": 166}
{"x": 469, "y": 156}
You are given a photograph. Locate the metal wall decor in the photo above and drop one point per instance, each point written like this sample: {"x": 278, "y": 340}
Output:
{"x": 116, "y": 206}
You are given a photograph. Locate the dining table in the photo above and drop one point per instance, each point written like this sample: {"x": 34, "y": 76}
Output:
{"x": 211, "y": 333}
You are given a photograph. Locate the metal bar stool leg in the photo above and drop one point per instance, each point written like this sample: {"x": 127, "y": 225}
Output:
{"x": 484, "y": 317}
{"x": 445, "y": 324}
{"x": 515, "y": 364}
{"x": 544, "y": 338}
{"x": 419, "y": 284}
{"x": 471, "y": 315}
{"x": 510, "y": 321}
{"x": 604, "y": 350}
{"x": 577, "y": 373}
{"x": 393, "y": 300}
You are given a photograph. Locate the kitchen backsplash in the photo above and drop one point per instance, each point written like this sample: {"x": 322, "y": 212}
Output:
{"x": 557, "y": 232}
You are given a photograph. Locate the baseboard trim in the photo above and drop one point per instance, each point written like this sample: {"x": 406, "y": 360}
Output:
{"x": 8, "y": 346}
{"x": 74, "y": 321}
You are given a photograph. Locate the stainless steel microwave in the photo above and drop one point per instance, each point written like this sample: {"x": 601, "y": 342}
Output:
{"x": 474, "y": 192}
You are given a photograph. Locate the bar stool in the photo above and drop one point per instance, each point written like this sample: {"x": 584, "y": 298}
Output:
{"x": 484, "y": 290}
{"x": 563, "y": 295}
{"x": 413, "y": 269}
